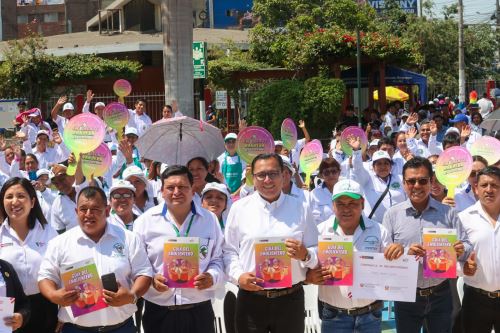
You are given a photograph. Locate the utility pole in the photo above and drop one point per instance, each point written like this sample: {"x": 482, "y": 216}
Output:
{"x": 461, "y": 60}
{"x": 421, "y": 10}
{"x": 177, "y": 28}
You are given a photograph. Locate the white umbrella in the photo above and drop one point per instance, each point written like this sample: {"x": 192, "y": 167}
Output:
{"x": 491, "y": 122}
{"x": 177, "y": 140}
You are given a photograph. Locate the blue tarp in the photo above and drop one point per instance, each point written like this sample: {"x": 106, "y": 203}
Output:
{"x": 394, "y": 76}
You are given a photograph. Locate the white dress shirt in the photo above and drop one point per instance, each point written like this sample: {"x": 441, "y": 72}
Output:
{"x": 31, "y": 130}
{"x": 464, "y": 198}
{"x": 485, "y": 241}
{"x": 140, "y": 122}
{"x": 58, "y": 154}
{"x": 418, "y": 147}
{"x": 118, "y": 251}
{"x": 253, "y": 217}
{"x": 373, "y": 238}
{"x": 26, "y": 256}
{"x": 63, "y": 214}
{"x": 156, "y": 225}
{"x": 321, "y": 203}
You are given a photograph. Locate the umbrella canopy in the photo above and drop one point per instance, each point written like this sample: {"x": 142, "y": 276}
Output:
{"x": 392, "y": 94}
{"x": 491, "y": 122}
{"x": 177, "y": 140}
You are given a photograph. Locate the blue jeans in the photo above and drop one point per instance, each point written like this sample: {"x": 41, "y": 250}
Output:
{"x": 127, "y": 328}
{"x": 333, "y": 321}
{"x": 435, "y": 310}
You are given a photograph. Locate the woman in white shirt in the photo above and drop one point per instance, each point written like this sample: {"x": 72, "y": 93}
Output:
{"x": 24, "y": 236}
{"x": 321, "y": 196}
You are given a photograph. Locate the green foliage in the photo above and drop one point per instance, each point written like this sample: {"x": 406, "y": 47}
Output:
{"x": 316, "y": 100}
{"x": 27, "y": 71}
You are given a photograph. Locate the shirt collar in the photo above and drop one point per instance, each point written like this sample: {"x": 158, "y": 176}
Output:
{"x": 164, "y": 209}
{"x": 431, "y": 204}
{"x": 271, "y": 205}
{"x": 110, "y": 230}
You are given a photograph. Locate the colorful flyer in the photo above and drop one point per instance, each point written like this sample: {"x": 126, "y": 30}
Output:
{"x": 440, "y": 259}
{"x": 83, "y": 277}
{"x": 289, "y": 133}
{"x": 335, "y": 253}
{"x": 6, "y": 311}
{"x": 253, "y": 141}
{"x": 487, "y": 147}
{"x": 272, "y": 264}
{"x": 181, "y": 261}
{"x": 453, "y": 167}
{"x": 310, "y": 158}
{"x": 97, "y": 162}
{"x": 352, "y": 131}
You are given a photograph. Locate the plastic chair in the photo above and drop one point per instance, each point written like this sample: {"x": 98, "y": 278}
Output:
{"x": 312, "y": 321}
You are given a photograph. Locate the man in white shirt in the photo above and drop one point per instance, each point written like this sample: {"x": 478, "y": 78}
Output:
{"x": 340, "y": 312}
{"x": 481, "y": 222}
{"x": 47, "y": 156}
{"x": 269, "y": 213}
{"x": 113, "y": 250}
{"x": 485, "y": 105}
{"x": 186, "y": 310}
{"x": 138, "y": 118}
{"x": 67, "y": 113}
{"x": 33, "y": 124}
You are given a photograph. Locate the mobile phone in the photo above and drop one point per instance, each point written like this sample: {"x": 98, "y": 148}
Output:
{"x": 109, "y": 282}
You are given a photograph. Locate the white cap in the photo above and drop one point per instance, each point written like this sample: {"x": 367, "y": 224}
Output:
{"x": 278, "y": 143}
{"x": 131, "y": 130}
{"x": 134, "y": 170}
{"x": 216, "y": 187}
{"x": 452, "y": 130}
{"x": 347, "y": 187}
{"x": 41, "y": 172}
{"x": 68, "y": 106}
{"x": 287, "y": 163}
{"x": 36, "y": 113}
{"x": 44, "y": 132}
{"x": 230, "y": 136}
{"x": 163, "y": 167}
{"x": 99, "y": 104}
{"x": 374, "y": 142}
{"x": 379, "y": 155}
{"x": 120, "y": 183}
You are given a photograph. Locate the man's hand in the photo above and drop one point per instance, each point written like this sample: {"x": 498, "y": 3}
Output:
{"x": 448, "y": 201}
{"x": 412, "y": 132}
{"x": 62, "y": 100}
{"x": 317, "y": 276}
{"x": 433, "y": 127}
{"x": 126, "y": 150}
{"x": 14, "y": 322}
{"x": 22, "y": 136}
{"x": 90, "y": 96}
{"x": 122, "y": 297}
{"x": 459, "y": 248}
{"x": 295, "y": 249}
{"x": 412, "y": 119}
{"x": 302, "y": 124}
{"x": 466, "y": 130}
{"x": 242, "y": 124}
{"x": 394, "y": 251}
{"x": 417, "y": 250}
{"x": 64, "y": 297}
{"x": 248, "y": 281}
{"x": 203, "y": 281}
{"x": 354, "y": 142}
{"x": 159, "y": 283}
{"x": 470, "y": 266}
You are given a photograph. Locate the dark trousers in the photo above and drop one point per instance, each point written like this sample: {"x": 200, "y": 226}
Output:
{"x": 159, "y": 319}
{"x": 435, "y": 310}
{"x": 43, "y": 317}
{"x": 479, "y": 312}
{"x": 259, "y": 314}
{"x": 456, "y": 315}
{"x": 128, "y": 327}
{"x": 138, "y": 313}
{"x": 229, "y": 312}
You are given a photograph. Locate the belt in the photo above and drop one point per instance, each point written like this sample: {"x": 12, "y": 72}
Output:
{"x": 100, "y": 329}
{"x": 490, "y": 294}
{"x": 377, "y": 305}
{"x": 274, "y": 293}
{"x": 185, "y": 306}
{"x": 425, "y": 292}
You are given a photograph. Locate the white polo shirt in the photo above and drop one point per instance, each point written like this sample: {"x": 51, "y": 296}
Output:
{"x": 156, "y": 225}
{"x": 321, "y": 203}
{"x": 374, "y": 238}
{"x": 464, "y": 198}
{"x": 140, "y": 122}
{"x": 253, "y": 217}
{"x": 26, "y": 256}
{"x": 63, "y": 214}
{"x": 118, "y": 251}
{"x": 485, "y": 241}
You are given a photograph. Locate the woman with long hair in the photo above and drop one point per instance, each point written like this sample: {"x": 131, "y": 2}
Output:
{"x": 198, "y": 166}
{"x": 25, "y": 234}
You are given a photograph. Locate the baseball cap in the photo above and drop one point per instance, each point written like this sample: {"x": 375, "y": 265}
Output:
{"x": 230, "y": 136}
{"x": 99, "y": 104}
{"x": 374, "y": 142}
{"x": 452, "y": 130}
{"x": 405, "y": 114}
{"x": 287, "y": 163}
{"x": 42, "y": 132}
{"x": 134, "y": 170}
{"x": 41, "y": 172}
{"x": 278, "y": 143}
{"x": 216, "y": 187}
{"x": 163, "y": 167}
{"x": 131, "y": 131}
{"x": 68, "y": 106}
{"x": 121, "y": 184}
{"x": 35, "y": 113}
{"x": 460, "y": 117}
{"x": 57, "y": 170}
{"x": 346, "y": 187}
{"x": 379, "y": 155}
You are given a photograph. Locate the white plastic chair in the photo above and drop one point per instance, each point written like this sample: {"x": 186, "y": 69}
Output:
{"x": 312, "y": 322}
{"x": 218, "y": 305}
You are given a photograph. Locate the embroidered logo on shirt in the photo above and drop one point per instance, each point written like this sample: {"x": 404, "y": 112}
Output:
{"x": 395, "y": 185}
{"x": 371, "y": 243}
{"x": 5, "y": 244}
{"x": 119, "y": 248}
{"x": 40, "y": 244}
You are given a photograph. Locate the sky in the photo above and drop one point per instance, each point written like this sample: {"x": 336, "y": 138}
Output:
{"x": 471, "y": 8}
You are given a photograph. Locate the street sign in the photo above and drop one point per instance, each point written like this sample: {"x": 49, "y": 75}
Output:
{"x": 408, "y": 6}
{"x": 221, "y": 100}
{"x": 200, "y": 60}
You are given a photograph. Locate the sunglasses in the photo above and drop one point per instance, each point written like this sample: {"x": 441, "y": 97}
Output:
{"x": 118, "y": 196}
{"x": 420, "y": 181}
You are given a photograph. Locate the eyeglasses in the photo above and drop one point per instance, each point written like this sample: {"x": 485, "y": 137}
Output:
{"x": 261, "y": 176}
{"x": 118, "y": 196}
{"x": 420, "y": 181}
{"x": 330, "y": 171}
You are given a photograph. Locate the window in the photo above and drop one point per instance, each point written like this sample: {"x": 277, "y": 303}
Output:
{"x": 50, "y": 17}
{"x": 22, "y": 19}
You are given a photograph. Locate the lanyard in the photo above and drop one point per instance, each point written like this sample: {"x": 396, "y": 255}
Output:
{"x": 177, "y": 231}
{"x": 221, "y": 223}
{"x": 336, "y": 224}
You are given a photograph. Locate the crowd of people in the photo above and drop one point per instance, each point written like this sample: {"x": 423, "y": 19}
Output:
{"x": 382, "y": 195}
